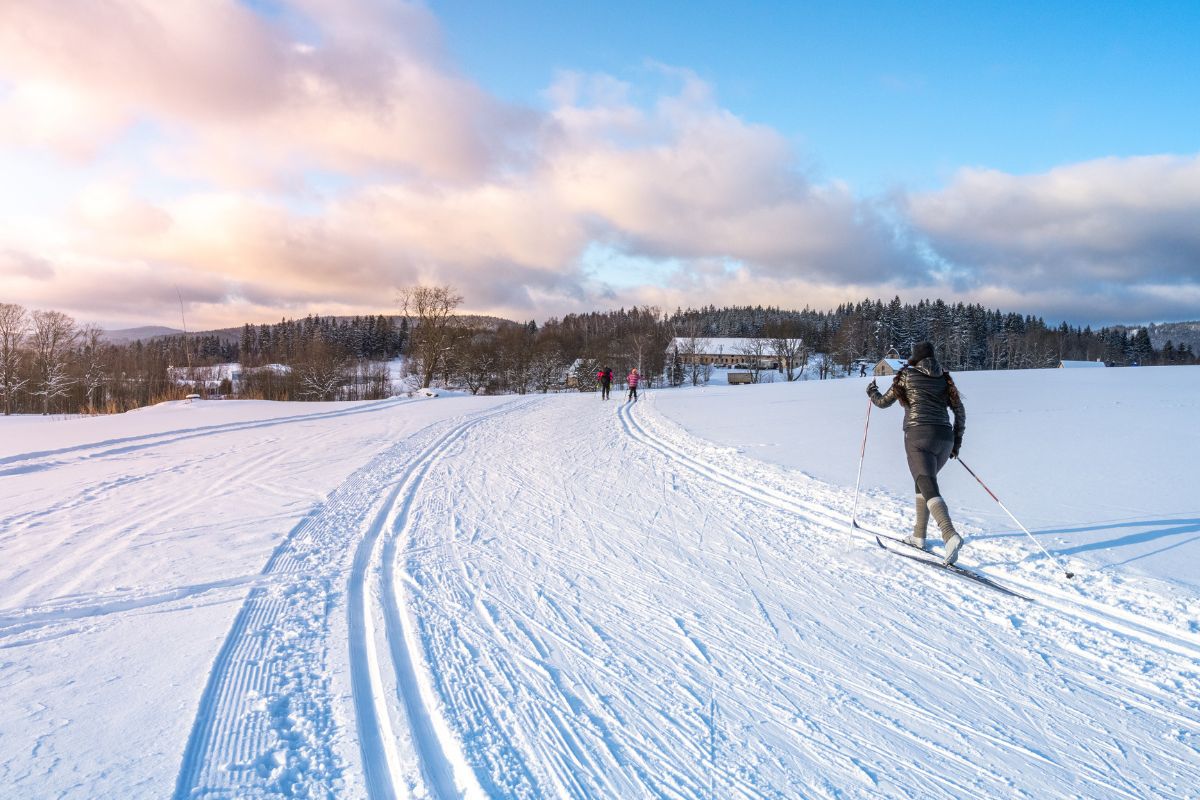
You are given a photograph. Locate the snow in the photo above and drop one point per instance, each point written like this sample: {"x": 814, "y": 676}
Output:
{"x": 713, "y": 345}
{"x": 556, "y": 596}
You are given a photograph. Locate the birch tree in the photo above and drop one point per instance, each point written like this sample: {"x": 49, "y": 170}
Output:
{"x": 14, "y": 327}
{"x": 94, "y": 376}
{"x": 54, "y": 334}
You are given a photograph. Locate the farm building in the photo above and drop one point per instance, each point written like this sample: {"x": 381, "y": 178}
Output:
{"x": 721, "y": 352}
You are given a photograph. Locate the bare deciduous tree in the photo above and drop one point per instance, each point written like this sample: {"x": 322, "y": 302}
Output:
{"x": 14, "y": 327}
{"x": 432, "y": 310}
{"x": 322, "y": 372}
{"x": 691, "y": 350}
{"x": 755, "y": 350}
{"x": 547, "y": 366}
{"x": 789, "y": 348}
{"x": 476, "y": 361}
{"x": 54, "y": 334}
{"x": 93, "y": 366}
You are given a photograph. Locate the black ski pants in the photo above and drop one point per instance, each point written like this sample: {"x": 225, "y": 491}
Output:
{"x": 928, "y": 449}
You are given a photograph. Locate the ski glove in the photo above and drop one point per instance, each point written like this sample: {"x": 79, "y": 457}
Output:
{"x": 957, "y": 447}
{"x": 872, "y": 389}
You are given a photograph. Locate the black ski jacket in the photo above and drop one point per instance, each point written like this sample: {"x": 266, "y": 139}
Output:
{"x": 926, "y": 388}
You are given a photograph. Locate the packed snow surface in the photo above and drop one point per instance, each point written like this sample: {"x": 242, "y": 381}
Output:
{"x": 556, "y": 596}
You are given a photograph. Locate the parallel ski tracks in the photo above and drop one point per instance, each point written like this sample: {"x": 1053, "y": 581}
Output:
{"x": 21, "y": 463}
{"x": 265, "y": 724}
{"x": 1068, "y": 602}
{"x": 371, "y": 673}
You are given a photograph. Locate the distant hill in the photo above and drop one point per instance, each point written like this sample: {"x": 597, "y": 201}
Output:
{"x": 127, "y": 335}
{"x": 1177, "y": 333}
{"x": 473, "y": 320}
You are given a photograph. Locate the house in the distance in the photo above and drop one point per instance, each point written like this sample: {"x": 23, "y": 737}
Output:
{"x": 1080, "y": 364}
{"x": 888, "y": 366}
{"x": 722, "y": 351}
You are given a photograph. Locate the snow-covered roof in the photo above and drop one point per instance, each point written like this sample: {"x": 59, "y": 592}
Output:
{"x": 1080, "y": 364}
{"x": 714, "y": 345}
{"x": 895, "y": 363}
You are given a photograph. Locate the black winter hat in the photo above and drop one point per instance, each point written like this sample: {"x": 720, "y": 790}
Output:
{"x": 920, "y": 352}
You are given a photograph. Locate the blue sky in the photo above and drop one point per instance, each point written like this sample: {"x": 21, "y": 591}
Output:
{"x": 885, "y": 92}
{"x": 268, "y": 158}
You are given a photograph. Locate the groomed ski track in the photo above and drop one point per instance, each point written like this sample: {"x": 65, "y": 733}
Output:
{"x": 569, "y": 598}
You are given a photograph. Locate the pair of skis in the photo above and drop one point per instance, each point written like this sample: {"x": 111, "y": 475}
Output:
{"x": 904, "y": 549}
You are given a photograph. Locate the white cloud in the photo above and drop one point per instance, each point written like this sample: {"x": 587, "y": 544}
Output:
{"x": 1107, "y": 223}
{"x": 315, "y": 159}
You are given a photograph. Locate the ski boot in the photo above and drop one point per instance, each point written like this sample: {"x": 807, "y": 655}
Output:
{"x": 937, "y": 507}
{"x": 917, "y": 539}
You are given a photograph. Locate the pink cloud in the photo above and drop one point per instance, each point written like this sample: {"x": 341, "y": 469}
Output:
{"x": 373, "y": 94}
{"x": 435, "y": 180}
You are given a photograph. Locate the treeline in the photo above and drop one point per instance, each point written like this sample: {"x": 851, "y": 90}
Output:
{"x": 377, "y": 338}
{"x": 522, "y": 358}
{"x": 966, "y": 336}
{"x": 49, "y": 364}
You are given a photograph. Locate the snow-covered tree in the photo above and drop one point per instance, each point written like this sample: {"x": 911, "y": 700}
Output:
{"x": 14, "y": 327}
{"x": 322, "y": 372}
{"x": 94, "y": 373}
{"x": 54, "y": 335}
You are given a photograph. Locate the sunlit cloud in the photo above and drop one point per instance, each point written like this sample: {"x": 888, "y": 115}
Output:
{"x": 1098, "y": 227}
{"x": 315, "y": 158}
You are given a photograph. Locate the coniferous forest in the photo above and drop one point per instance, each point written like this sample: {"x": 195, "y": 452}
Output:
{"x": 49, "y": 364}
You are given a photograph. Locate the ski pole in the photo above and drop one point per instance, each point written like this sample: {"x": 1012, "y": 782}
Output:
{"x": 1068, "y": 573}
{"x": 861, "y": 456}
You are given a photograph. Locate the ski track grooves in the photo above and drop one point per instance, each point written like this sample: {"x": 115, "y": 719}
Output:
{"x": 1073, "y": 604}
{"x": 129, "y": 444}
{"x": 264, "y": 725}
{"x": 381, "y": 762}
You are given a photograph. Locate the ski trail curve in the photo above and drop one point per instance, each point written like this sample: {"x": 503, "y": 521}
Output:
{"x": 383, "y": 767}
{"x": 1071, "y": 603}
{"x": 603, "y": 621}
{"x": 265, "y": 724}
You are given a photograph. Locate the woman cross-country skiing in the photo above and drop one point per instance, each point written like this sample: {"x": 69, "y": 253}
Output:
{"x": 925, "y": 391}
{"x": 632, "y": 380}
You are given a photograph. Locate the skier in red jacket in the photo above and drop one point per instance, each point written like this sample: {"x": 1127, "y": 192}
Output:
{"x": 605, "y": 377}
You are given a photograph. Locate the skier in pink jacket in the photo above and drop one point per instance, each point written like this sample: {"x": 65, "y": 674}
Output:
{"x": 632, "y": 380}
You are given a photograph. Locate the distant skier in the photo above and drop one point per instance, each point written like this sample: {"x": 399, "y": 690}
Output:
{"x": 862, "y": 370}
{"x": 605, "y": 377}
{"x": 925, "y": 390}
{"x": 632, "y": 380}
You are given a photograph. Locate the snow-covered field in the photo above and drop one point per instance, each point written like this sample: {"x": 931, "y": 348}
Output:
{"x": 555, "y": 596}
